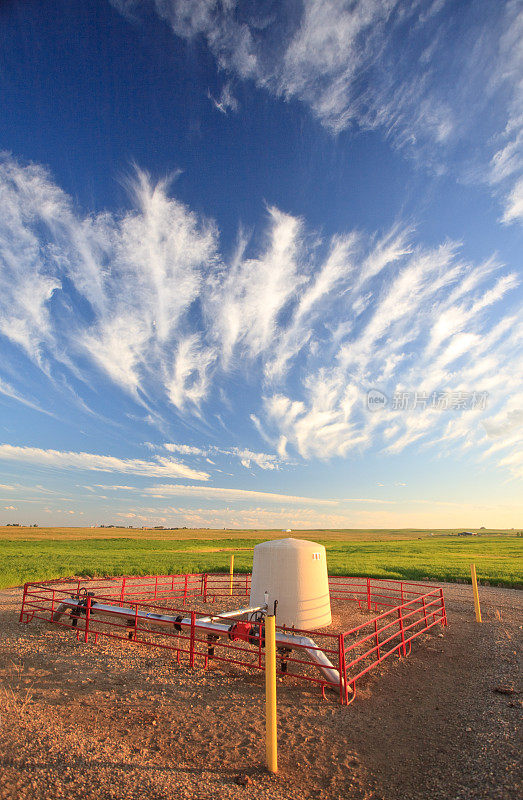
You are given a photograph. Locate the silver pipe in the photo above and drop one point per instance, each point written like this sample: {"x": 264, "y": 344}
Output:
{"x": 206, "y": 624}
{"x": 240, "y": 612}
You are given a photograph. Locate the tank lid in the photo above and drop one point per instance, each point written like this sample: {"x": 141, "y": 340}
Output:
{"x": 290, "y": 542}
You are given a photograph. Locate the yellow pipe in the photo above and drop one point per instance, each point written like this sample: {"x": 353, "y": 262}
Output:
{"x": 231, "y": 574}
{"x": 271, "y": 733}
{"x": 475, "y": 590}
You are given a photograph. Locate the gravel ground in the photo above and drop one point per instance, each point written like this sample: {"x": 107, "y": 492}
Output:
{"x": 113, "y": 720}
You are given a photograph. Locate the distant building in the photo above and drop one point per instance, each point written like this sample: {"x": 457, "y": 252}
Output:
{"x": 467, "y": 533}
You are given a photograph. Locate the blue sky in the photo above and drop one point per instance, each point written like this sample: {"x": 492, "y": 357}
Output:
{"x": 260, "y": 263}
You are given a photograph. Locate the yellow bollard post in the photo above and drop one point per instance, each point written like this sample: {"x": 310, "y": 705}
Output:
{"x": 231, "y": 574}
{"x": 475, "y": 590}
{"x": 271, "y": 734}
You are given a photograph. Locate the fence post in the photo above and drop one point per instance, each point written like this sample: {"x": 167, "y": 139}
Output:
{"x": 341, "y": 662}
{"x": 475, "y": 590}
{"x": 155, "y": 587}
{"x": 135, "y": 620}
{"x": 401, "y": 592}
{"x": 122, "y": 593}
{"x": 87, "y": 617}
{"x": 185, "y": 590}
{"x": 345, "y": 684}
{"x": 271, "y": 733}
{"x": 205, "y": 588}
{"x": 246, "y": 584}
{"x": 424, "y": 609}
{"x": 231, "y": 574}
{"x": 444, "y": 621}
{"x": 191, "y": 644}
{"x": 52, "y": 606}
{"x": 404, "y": 649}
{"x": 377, "y": 638}
{"x": 368, "y": 594}
{"x": 23, "y": 603}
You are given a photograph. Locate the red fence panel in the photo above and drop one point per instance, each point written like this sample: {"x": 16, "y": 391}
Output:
{"x": 134, "y": 605}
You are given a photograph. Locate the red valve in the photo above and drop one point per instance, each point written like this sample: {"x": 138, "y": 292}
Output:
{"x": 240, "y": 630}
{"x": 247, "y": 632}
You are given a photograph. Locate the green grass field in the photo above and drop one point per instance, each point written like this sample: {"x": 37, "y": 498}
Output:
{"x": 29, "y": 554}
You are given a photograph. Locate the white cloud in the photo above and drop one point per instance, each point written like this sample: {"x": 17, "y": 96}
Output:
{"x": 427, "y": 329}
{"x": 139, "y": 274}
{"x": 262, "y": 460}
{"x": 509, "y": 422}
{"x": 190, "y": 376}
{"x": 319, "y": 53}
{"x": 388, "y": 65}
{"x": 514, "y": 203}
{"x": 245, "y": 304}
{"x": 9, "y": 391}
{"x": 167, "y": 490}
{"x": 161, "y": 467}
{"x": 506, "y": 170}
{"x": 184, "y": 449}
{"x": 314, "y": 322}
{"x": 159, "y": 253}
{"x": 27, "y": 282}
{"x": 226, "y": 102}
{"x": 265, "y": 461}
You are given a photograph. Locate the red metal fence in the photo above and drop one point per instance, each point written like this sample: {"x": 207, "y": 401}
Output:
{"x": 393, "y": 631}
{"x": 410, "y": 609}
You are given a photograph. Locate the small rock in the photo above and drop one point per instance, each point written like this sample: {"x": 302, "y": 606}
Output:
{"x": 243, "y": 780}
{"x": 504, "y": 689}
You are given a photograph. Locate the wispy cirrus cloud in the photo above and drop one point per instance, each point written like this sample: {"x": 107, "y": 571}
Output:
{"x": 8, "y": 390}
{"x": 248, "y": 297}
{"x": 266, "y": 461}
{"x": 139, "y": 274}
{"x": 506, "y": 171}
{"x": 27, "y": 280}
{"x": 160, "y": 467}
{"x": 168, "y": 490}
{"x": 341, "y": 59}
{"x": 184, "y": 449}
{"x": 324, "y": 52}
{"x": 226, "y": 101}
{"x": 147, "y": 300}
{"x": 427, "y": 328}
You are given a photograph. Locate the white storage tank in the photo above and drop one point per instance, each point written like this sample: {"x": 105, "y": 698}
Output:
{"x": 293, "y": 572}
